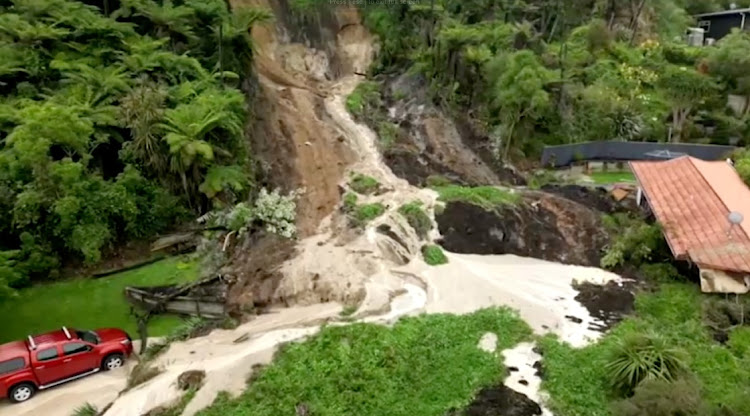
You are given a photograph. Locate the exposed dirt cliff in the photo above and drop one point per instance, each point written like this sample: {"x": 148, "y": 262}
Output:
{"x": 541, "y": 225}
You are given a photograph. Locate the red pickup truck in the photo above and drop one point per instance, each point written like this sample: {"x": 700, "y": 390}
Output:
{"x": 44, "y": 361}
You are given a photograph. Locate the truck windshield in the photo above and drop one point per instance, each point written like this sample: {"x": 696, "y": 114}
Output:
{"x": 88, "y": 336}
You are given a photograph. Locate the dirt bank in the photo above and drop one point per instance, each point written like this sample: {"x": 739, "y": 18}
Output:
{"x": 597, "y": 198}
{"x": 428, "y": 142}
{"x": 541, "y": 225}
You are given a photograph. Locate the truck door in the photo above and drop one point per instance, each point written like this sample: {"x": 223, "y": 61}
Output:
{"x": 48, "y": 365}
{"x": 79, "y": 357}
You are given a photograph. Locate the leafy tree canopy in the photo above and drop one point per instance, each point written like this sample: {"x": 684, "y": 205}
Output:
{"x": 115, "y": 124}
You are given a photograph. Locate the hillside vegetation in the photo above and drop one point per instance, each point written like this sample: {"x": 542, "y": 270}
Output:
{"x": 536, "y": 72}
{"x": 115, "y": 124}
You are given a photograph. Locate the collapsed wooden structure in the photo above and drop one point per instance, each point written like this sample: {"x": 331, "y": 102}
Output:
{"x": 205, "y": 298}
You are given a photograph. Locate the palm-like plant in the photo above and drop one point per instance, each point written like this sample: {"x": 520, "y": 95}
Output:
{"x": 234, "y": 36}
{"x": 642, "y": 357}
{"x": 141, "y": 110}
{"x": 104, "y": 82}
{"x": 22, "y": 30}
{"x": 167, "y": 18}
{"x": 211, "y": 116}
{"x": 147, "y": 55}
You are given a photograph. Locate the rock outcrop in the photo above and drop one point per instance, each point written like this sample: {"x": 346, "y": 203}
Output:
{"x": 541, "y": 225}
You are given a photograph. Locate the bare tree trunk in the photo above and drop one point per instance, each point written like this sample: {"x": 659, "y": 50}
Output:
{"x": 508, "y": 141}
{"x": 635, "y": 25}
{"x": 612, "y": 10}
{"x": 679, "y": 117}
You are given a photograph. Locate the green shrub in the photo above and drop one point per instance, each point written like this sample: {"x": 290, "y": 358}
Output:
{"x": 641, "y": 357}
{"x": 635, "y": 242}
{"x": 365, "y": 99}
{"x": 348, "y": 311}
{"x": 350, "y": 202}
{"x": 417, "y": 218}
{"x": 660, "y": 272}
{"x": 363, "y": 184}
{"x": 680, "y": 397}
{"x": 540, "y": 178}
{"x": 722, "y": 314}
{"x": 739, "y": 343}
{"x": 487, "y": 197}
{"x": 368, "y": 212}
{"x": 433, "y": 255}
{"x": 388, "y": 133}
{"x": 435, "y": 181}
{"x": 87, "y": 409}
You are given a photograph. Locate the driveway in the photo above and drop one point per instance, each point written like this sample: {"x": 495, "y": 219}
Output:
{"x": 99, "y": 389}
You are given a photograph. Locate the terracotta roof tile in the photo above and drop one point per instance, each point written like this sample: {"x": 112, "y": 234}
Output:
{"x": 692, "y": 198}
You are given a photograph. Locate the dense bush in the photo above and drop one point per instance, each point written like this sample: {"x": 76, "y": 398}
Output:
{"x": 363, "y": 184}
{"x": 680, "y": 397}
{"x": 417, "y": 217}
{"x": 634, "y": 242}
{"x": 115, "y": 124}
{"x": 433, "y": 255}
{"x": 643, "y": 357}
{"x": 367, "y": 212}
{"x": 660, "y": 272}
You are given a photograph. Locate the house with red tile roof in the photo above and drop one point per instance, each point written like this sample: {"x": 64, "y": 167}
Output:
{"x": 692, "y": 199}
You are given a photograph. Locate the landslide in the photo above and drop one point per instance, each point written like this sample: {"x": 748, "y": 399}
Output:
{"x": 307, "y": 63}
{"x": 429, "y": 142}
{"x": 540, "y": 225}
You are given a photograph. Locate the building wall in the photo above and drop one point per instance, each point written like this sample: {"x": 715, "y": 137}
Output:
{"x": 719, "y": 26}
{"x": 717, "y": 281}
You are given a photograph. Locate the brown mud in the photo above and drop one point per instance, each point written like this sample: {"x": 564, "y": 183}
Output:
{"x": 609, "y": 303}
{"x": 499, "y": 401}
{"x": 431, "y": 143}
{"x": 597, "y": 198}
{"x": 543, "y": 226}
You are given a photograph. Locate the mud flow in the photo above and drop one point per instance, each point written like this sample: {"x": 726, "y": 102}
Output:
{"x": 499, "y": 401}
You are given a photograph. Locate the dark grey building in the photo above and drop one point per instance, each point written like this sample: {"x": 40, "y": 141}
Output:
{"x": 617, "y": 151}
{"x": 719, "y": 24}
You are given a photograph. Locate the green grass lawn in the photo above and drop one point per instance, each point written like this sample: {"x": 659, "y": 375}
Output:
{"x": 89, "y": 303}
{"x": 421, "y": 366}
{"x": 577, "y": 379}
{"x": 613, "y": 177}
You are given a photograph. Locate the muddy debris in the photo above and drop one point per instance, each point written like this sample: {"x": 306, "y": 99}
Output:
{"x": 191, "y": 379}
{"x": 574, "y": 319}
{"x": 609, "y": 303}
{"x": 539, "y": 369}
{"x": 499, "y": 401}
{"x": 542, "y": 226}
{"x": 597, "y": 198}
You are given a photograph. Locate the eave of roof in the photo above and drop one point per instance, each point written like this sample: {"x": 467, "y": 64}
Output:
{"x": 724, "y": 12}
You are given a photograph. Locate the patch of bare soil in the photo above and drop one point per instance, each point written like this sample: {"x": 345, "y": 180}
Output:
{"x": 597, "y": 198}
{"x": 499, "y": 401}
{"x": 429, "y": 143}
{"x": 254, "y": 273}
{"x": 542, "y": 225}
{"x": 609, "y": 303}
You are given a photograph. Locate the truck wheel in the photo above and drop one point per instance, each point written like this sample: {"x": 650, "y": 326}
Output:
{"x": 113, "y": 361}
{"x": 21, "y": 392}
